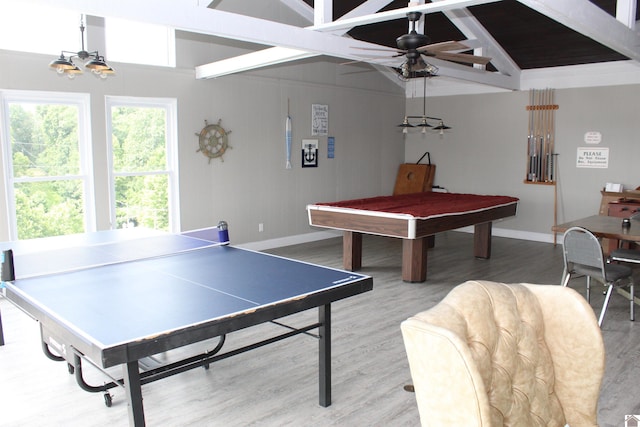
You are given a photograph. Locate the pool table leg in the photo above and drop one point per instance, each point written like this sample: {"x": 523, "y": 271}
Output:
{"x": 482, "y": 240}
{"x": 352, "y": 250}
{"x": 414, "y": 259}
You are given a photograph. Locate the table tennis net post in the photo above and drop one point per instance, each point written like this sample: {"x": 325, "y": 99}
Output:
{"x": 7, "y": 271}
{"x": 7, "y": 274}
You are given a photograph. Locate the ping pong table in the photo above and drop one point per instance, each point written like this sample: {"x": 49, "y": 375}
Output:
{"x": 114, "y": 298}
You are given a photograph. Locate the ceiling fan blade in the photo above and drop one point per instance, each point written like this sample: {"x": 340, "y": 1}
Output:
{"x": 390, "y": 49}
{"x": 378, "y": 56}
{"x": 462, "y": 57}
{"x": 444, "y": 46}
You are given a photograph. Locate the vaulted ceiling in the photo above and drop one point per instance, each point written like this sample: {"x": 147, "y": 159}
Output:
{"x": 516, "y": 34}
{"x": 530, "y": 38}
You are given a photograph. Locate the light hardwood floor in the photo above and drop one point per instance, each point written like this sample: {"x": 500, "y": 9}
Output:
{"x": 277, "y": 384}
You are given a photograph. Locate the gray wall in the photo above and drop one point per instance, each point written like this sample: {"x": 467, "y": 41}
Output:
{"x": 485, "y": 151}
{"x": 252, "y": 185}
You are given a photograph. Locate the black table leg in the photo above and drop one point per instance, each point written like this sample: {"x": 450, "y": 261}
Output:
{"x": 134, "y": 394}
{"x": 324, "y": 318}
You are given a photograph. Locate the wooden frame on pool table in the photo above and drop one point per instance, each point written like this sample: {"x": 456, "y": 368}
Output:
{"x": 415, "y": 232}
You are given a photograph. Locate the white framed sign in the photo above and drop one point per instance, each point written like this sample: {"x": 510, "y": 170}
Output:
{"x": 309, "y": 153}
{"x": 593, "y": 137}
{"x": 590, "y": 157}
{"x": 319, "y": 119}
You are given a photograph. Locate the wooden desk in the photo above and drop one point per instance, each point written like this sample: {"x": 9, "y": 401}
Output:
{"x": 609, "y": 227}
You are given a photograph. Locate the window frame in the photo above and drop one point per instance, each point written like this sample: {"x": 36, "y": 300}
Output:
{"x": 170, "y": 105}
{"x": 83, "y": 103}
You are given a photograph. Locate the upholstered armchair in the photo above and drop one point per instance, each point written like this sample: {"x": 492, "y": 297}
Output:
{"x": 492, "y": 354}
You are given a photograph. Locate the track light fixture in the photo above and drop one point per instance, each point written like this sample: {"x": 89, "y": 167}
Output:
{"x": 92, "y": 61}
{"x": 424, "y": 124}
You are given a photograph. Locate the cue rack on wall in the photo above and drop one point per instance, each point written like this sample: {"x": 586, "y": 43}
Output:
{"x": 541, "y": 155}
{"x": 541, "y": 162}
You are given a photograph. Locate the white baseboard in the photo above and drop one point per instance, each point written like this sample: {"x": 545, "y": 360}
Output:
{"x": 290, "y": 240}
{"x": 322, "y": 235}
{"x": 515, "y": 234}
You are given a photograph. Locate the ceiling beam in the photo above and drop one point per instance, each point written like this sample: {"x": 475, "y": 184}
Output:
{"x": 322, "y": 11}
{"x": 626, "y": 12}
{"x": 389, "y": 15}
{"x": 588, "y": 19}
{"x": 362, "y": 15}
{"x": 277, "y": 55}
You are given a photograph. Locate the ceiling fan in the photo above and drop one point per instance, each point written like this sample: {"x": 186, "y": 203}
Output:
{"x": 414, "y": 45}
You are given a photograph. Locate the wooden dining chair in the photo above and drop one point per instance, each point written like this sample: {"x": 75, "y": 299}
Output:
{"x": 583, "y": 256}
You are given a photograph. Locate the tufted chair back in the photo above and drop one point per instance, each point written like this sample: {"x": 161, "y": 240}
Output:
{"x": 492, "y": 354}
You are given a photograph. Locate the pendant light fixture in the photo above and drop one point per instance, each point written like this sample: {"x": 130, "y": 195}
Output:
{"x": 423, "y": 123}
{"x": 92, "y": 61}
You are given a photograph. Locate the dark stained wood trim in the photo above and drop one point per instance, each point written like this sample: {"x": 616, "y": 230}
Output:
{"x": 414, "y": 250}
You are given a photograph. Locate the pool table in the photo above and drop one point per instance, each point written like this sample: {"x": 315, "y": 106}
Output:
{"x": 415, "y": 218}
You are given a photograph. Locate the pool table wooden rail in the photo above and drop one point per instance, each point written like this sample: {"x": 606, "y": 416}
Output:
{"x": 416, "y": 232}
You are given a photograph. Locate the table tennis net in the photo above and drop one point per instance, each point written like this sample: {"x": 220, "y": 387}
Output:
{"x": 74, "y": 258}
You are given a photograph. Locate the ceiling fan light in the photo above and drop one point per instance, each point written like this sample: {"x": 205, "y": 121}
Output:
{"x": 108, "y": 71}
{"x": 441, "y": 126}
{"x": 424, "y": 124}
{"x": 74, "y": 70}
{"x": 405, "y": 123}
{"x": 62, "y": 63}
{"x": 97, "y": 64}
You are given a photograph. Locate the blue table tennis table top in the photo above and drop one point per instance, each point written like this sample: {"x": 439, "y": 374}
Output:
{"x": 109, "y": 289}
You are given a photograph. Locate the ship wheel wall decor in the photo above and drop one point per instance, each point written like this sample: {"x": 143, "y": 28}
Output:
{"x": 213, "y": 140}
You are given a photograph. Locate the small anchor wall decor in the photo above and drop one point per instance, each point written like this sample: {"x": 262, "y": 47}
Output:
{"x": 309, "y": 153}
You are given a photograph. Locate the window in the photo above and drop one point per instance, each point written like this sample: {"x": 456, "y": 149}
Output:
{"x": 143, "y": 164}
{"x": 47, "y": 164}
{"x": 139, "y": 43}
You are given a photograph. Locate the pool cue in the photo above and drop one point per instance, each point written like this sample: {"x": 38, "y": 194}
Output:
{"x": 537, "y": 133}
{"x": 545, "y": 139}
{"x": 530, "y": 142}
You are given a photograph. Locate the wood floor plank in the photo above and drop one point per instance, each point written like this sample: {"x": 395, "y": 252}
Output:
{"x": 277, "y": 385}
